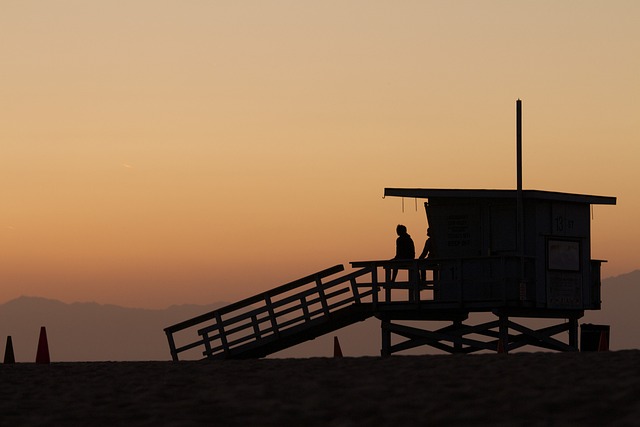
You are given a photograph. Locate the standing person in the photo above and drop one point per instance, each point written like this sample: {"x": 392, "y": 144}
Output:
{"x": 405, "y": 248}
{"x": 427, "y": 252}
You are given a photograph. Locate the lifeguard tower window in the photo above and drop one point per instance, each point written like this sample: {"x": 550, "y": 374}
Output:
{"x": 564, "y": 255}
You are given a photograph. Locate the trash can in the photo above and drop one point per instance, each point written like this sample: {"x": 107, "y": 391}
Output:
{"x": 594, "y": 337}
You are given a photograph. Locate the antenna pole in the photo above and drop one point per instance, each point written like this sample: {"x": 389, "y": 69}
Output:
{"x": 519, "y": 143}
{"x": 520, "y": 207}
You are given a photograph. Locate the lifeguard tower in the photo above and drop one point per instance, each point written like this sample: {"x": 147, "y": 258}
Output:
{"x": 511, "y": 254}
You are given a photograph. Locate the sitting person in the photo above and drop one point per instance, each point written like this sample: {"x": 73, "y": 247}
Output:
{"x": 404, "y": 248}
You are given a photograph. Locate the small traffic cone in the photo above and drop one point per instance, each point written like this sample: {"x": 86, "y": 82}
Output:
{"x": 337, "y": 351}
{"x": 42, "y": 356}
{"x": 8, "y": 352}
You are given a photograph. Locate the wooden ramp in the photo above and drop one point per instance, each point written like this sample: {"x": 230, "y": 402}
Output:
{"x": 332, "y": 299}
{"x": 277, "y": 319}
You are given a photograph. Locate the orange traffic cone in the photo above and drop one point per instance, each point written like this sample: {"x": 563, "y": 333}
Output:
{"x": 42, "y": 356}
{"x": 8, "y": 352}
{"x": 337, "y": 351}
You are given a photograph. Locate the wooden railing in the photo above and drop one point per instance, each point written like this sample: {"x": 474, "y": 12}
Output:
{"x": 411, "y": 280}
{"x": 331, "y": 299}
{"x": 254, "y": 321}
{"x": 326, "y": 300}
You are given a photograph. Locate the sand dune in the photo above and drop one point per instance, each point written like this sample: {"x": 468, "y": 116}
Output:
{"x": 531, "y": 389}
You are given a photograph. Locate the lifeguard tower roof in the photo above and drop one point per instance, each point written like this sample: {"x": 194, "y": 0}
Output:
{"x": 426, "y": 193}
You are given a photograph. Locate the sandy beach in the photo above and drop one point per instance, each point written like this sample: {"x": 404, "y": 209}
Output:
{"x": 529, "y": 389}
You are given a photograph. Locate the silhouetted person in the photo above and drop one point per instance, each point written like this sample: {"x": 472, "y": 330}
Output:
{"x": 404, "y": 248}
{"x": 427, "y": 252}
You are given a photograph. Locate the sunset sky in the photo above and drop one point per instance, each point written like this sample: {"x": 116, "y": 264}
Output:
{"x": 166, "y": 152}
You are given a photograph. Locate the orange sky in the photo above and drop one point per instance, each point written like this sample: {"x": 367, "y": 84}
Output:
{"x": 167, "y": 152}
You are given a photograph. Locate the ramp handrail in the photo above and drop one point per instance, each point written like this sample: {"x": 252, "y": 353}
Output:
{"x": 302, "y": 309}
{"x": 268, "y": 314}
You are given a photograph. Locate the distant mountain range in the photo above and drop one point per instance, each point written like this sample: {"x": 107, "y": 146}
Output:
{"x": 90, "y": 331}
{"x": 620, "y": 309}
{"x": 95, "y": 332}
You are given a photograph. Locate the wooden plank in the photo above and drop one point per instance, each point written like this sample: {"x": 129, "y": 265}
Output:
{"x": 305, "y": 308}
{"x": 503, "y": 330}
{"x": 272, "y": 316}
{"x": 386, "y": 338}
{"x": 214, "y": 351}
{"x": 236, "y": 341}
{"x": 223, "y": 338}
{"x": 227, "y": 330}
{"x": 323, "y": 298}
{"x": 252, "y": 318}
{"x": 190, "y": 322}
{"x": 305, "y": 332}
{"x": 292, "y": 298}
{"x": 573, "y": 333}
{"x": 313, "y": 313}
{"x": 414, "y": 343}
{"x": 283, "y": 288}
{"x": 375, "y": 288}
{"x": 365, "y": 294}
{"x": 307, "y": 279}
{"x": 348, "y": 277}
{"x": 207, "y": 344}
{"x": 429, "y": 264}
{"x": 172, "y": 346}
{"x": 275, "y": 315}
{"x": 254, "y": 299}
{"x": 189, "y": 346}
{"x": 310, "y": 292}
{"x": 256, "y": 326}
{"x": 298, "y": 307}
{"x": 354, "y": 290}
{"x": 274, "y": 305}
{"x": 545, "y": 335}
{"x": 521, "y": 340}
{"x": 463, "y": 329}
{"x": 415, "y": 333}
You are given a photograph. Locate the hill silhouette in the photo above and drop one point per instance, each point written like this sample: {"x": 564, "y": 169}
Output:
{"x": 620, "y": 309}
{"x": 95, "y": 332}
{"x": 90, "y": 331}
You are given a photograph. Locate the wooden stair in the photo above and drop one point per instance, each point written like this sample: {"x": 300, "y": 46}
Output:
{"x": 277, "y": 319}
